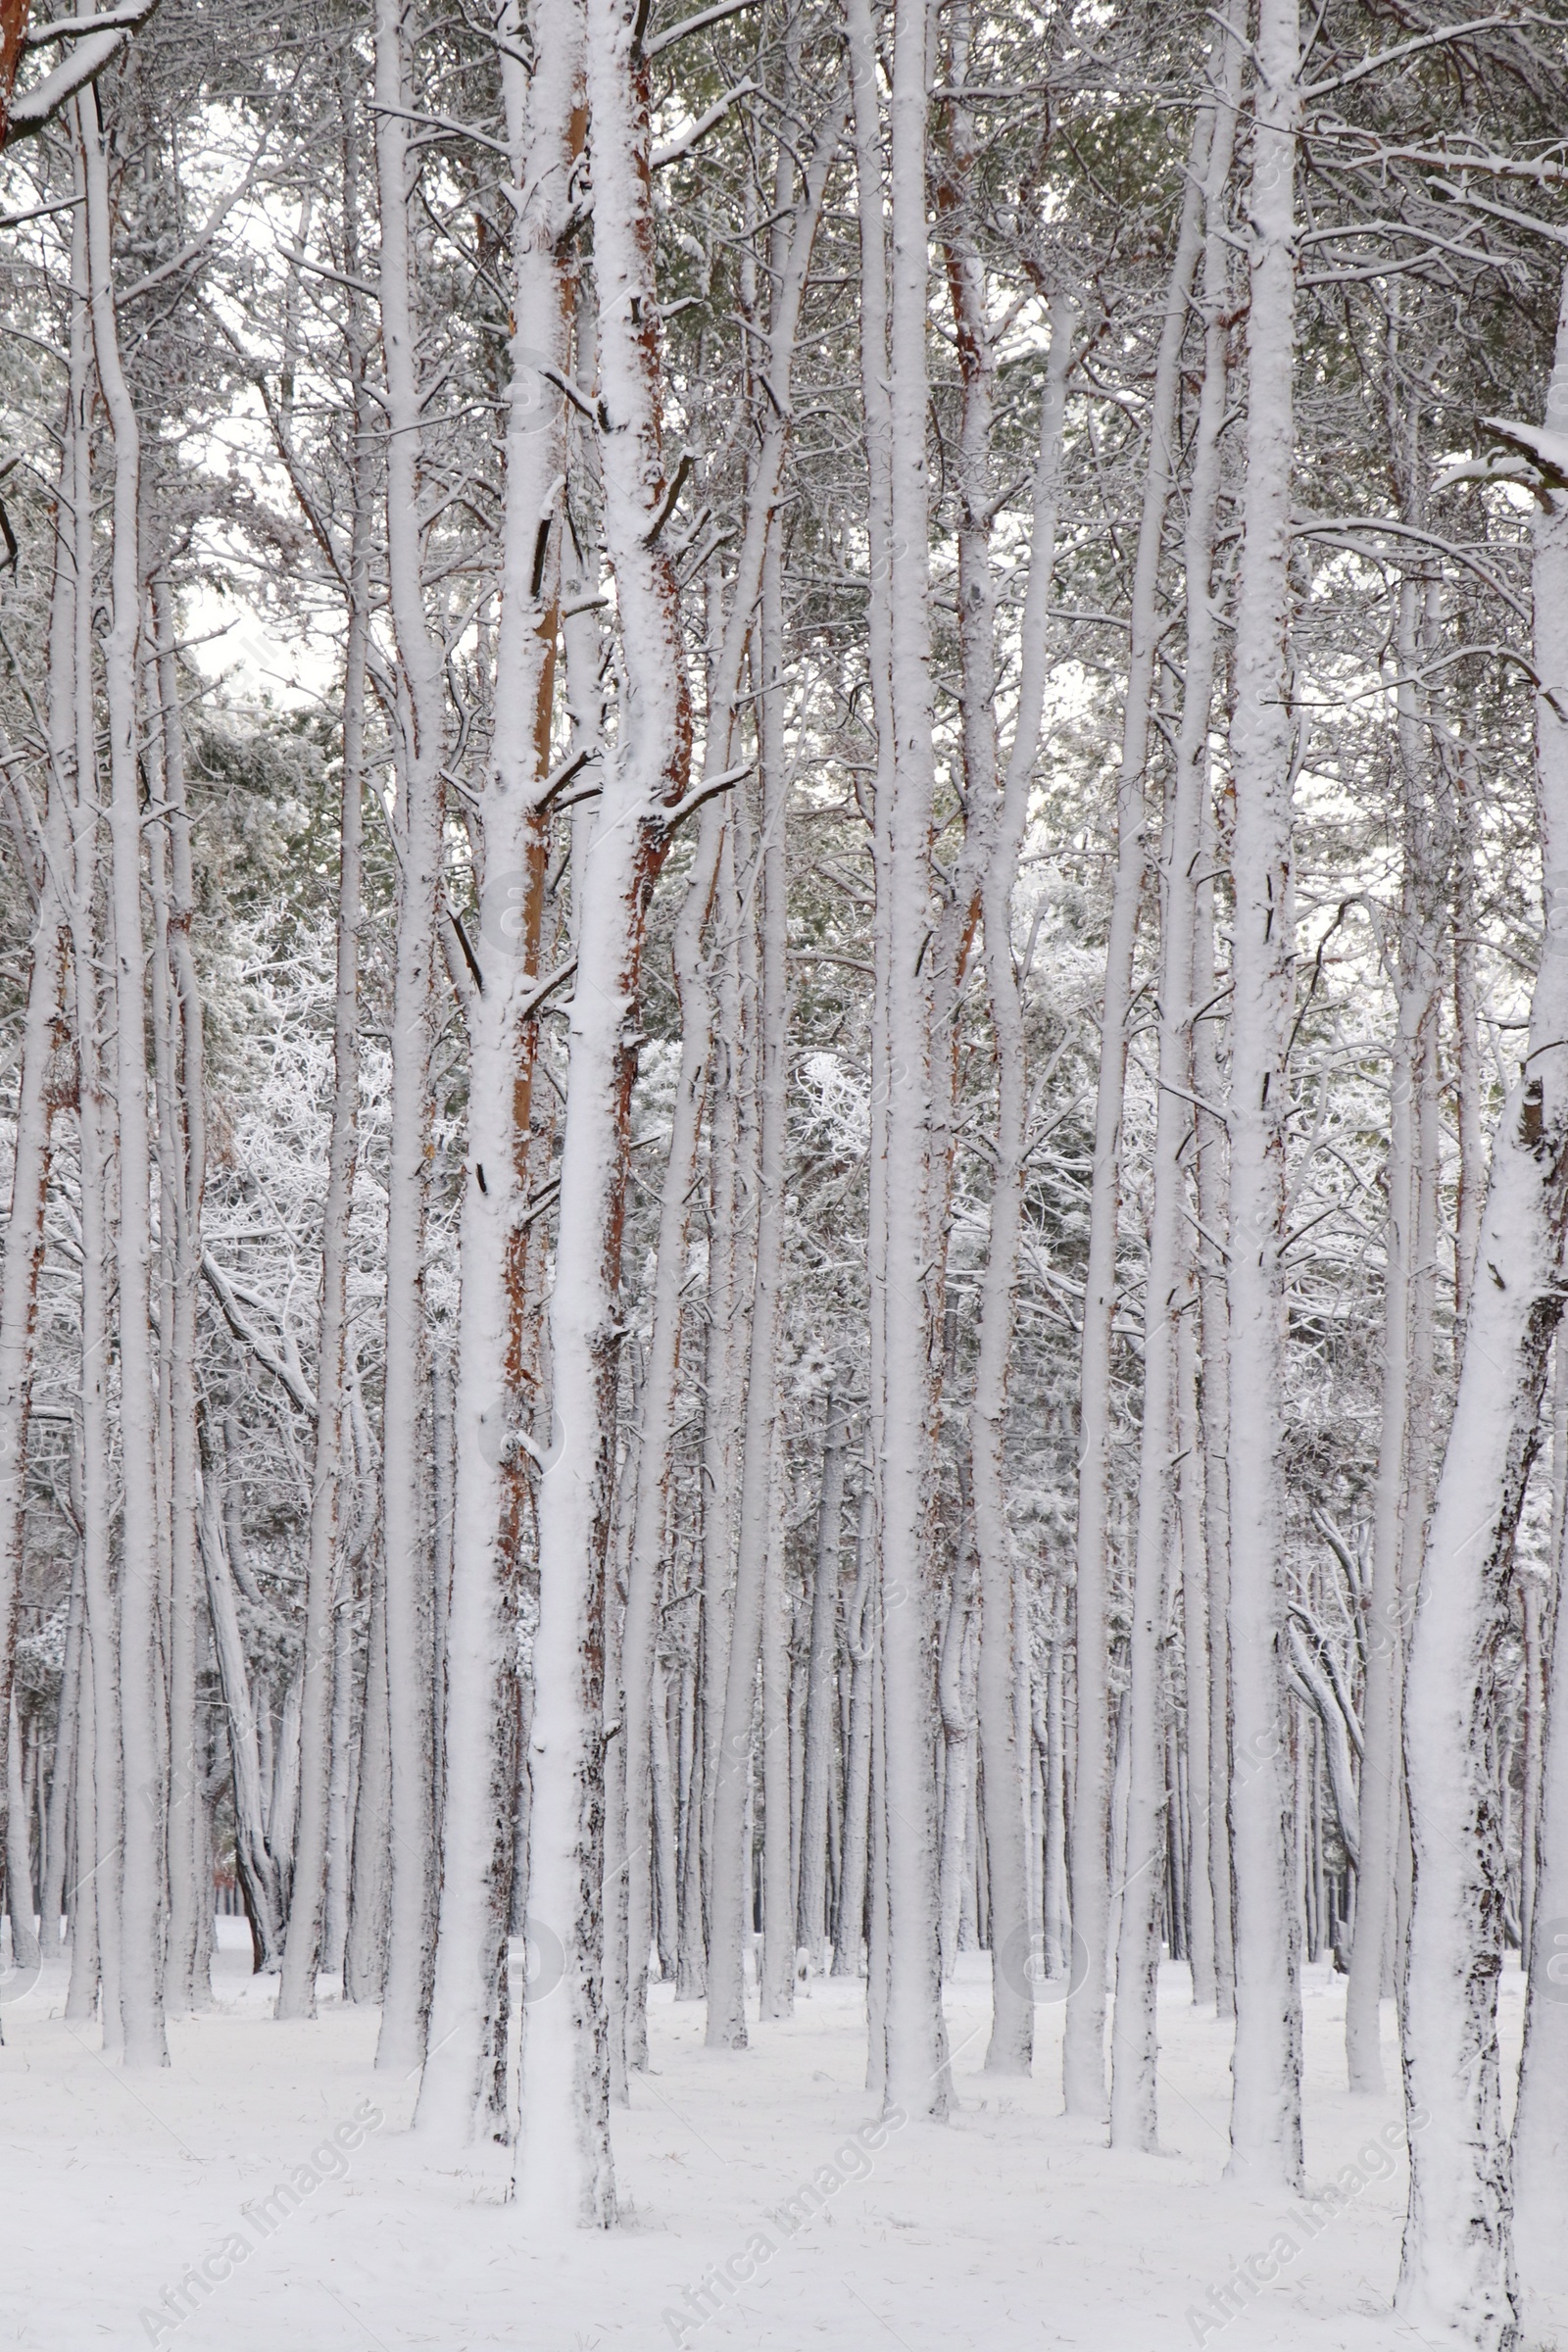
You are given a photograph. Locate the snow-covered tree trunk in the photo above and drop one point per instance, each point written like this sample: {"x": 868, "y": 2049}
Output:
{"x": 74, "y": 766}
{"x": 722, "y": 1356}
{"x": 37, "y": 1084}
{"x": 339, "y": 1795}
{"x": 730, "y": 1758}
{"x": 762, "y": 1424}
{"x": 1265, "y": 2108}
{"x": 1054, "y": 1877}
{"x": 1456, "y": 2272}
{"x": 365, "y": 1949}
{"x": 467, "y": 2022}
{"x": 302, "y": 1948}
{"x": 1194, "y": 1650}
{"x": 876, "y": 397}
{"x": 730, "y": 1897}
{"x": 64, "y": 1767}
{"x": 421, "y": 723}
{"x": 915, "y": 2037}
{"x": 25, "y": 1948}
{"x": 1471, "y": 1188}
{"x": 665, "y": 1829}
{"x": 821, "y": 1696}
{"x": 1540, "y": 2151}
{"x": 1379, "y": 1792}
{"x": 1540, "y": 2169}
{"x": 1083, "y": 2052}
{"x": 1213, "y": 1316}
{"x": 1201, "y": 1340}
{"x": 81, "y": 1989}
{"x": 564, "y": 2169}
{"x": 655, "y": 1445}
{"x": 776, "y": 1972}
{"x": 1134, "y": 2037}
{"x": 955, "y": 1713}
{"x": 185, "y": 1150}
{"x": 252, "y": 1855}
{"x": 1013, "y": 1926}
{"x": 613, "y": 1714}
{"x": 849, "y": 1932}
{"x": 141, "y": 1990}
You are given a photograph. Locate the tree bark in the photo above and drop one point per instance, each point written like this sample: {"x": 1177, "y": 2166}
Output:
{"x": 822, "y": 1698}
{"x": 1135, "y": 2037}
{"x": 848, "y": 1930}
{"x": 419, "y": 722}
{"x": 1457, "y": 2269}
{"x": 565, "y": 2174}
{"x": 498, "y": 1344}
{"x": 41, "y": 1042}
{"x": 141, "y": 1989}
{"x": 1379, "y": 1796}
{"x": 1083, "y": 2054}
{"x": 1265, "y": 2107}
{"x": 1000, "y": 824}
{"x": 1540, "y": 2149}
{"x": 915, "y": 2076}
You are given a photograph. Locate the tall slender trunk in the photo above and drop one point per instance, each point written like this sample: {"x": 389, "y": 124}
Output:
{"x": 1456, "y": 2272}
{"x": 849, "y": 1931}
{"x": 1013, "y": 1928}
{"x": 498, "y": 1341}
{"x": 731, "y": 1889}
{"x": 185, "y": 1149}
{"x": 565, "y": 2174}
{"x": 82, "y": 1989}
{"x": 776, "y": 1974}
{"x": 1467, "y": 1030}
{"x": 1213, "y": 1316}
{"x": 252, "y": 1855}
{"x": 1083, "y": 2054}
{"x": 1204, "y": 1338}
{"x": 339, "y": 1826}
{"x": 25, "y": 1948}
{"x": 822, "y": 1698}
{"x": 38, "y": 1083}
{"x": 955, "y": 1710}
{"x": 65, "y": 1766}
{"x": 365, "y": 1949}
{"x": 1540, "y": 2149}
{"x": 722, "y": 1360}
{"x": 72, "y": 728}
{"x": 1265, "y": 2108}
{"x": 141, "y": 1989}
{"x": 656, "y": 1449}
{"x": 1135, "y": 2047}
{"x": 757, "y": 575}
{"x": 1196, "y": 1621}
{"x": 872, "y": 226}
{"x": 1058, "y": 1919}
{"x": 420, "y": 720}
{"x": 1133, "y": 2112}
{"x": 664, "y": 1831}
{"x": 1385, "y": 1637}
{"x": 915, "y": 2037}
{"x": 296, "y": 1993}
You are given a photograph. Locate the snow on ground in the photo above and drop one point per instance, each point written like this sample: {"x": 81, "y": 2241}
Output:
{"x": 1010, "y": 2226}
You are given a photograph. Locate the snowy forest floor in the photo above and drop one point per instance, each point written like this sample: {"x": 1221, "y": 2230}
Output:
{"x": 1008, "y": 2227}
